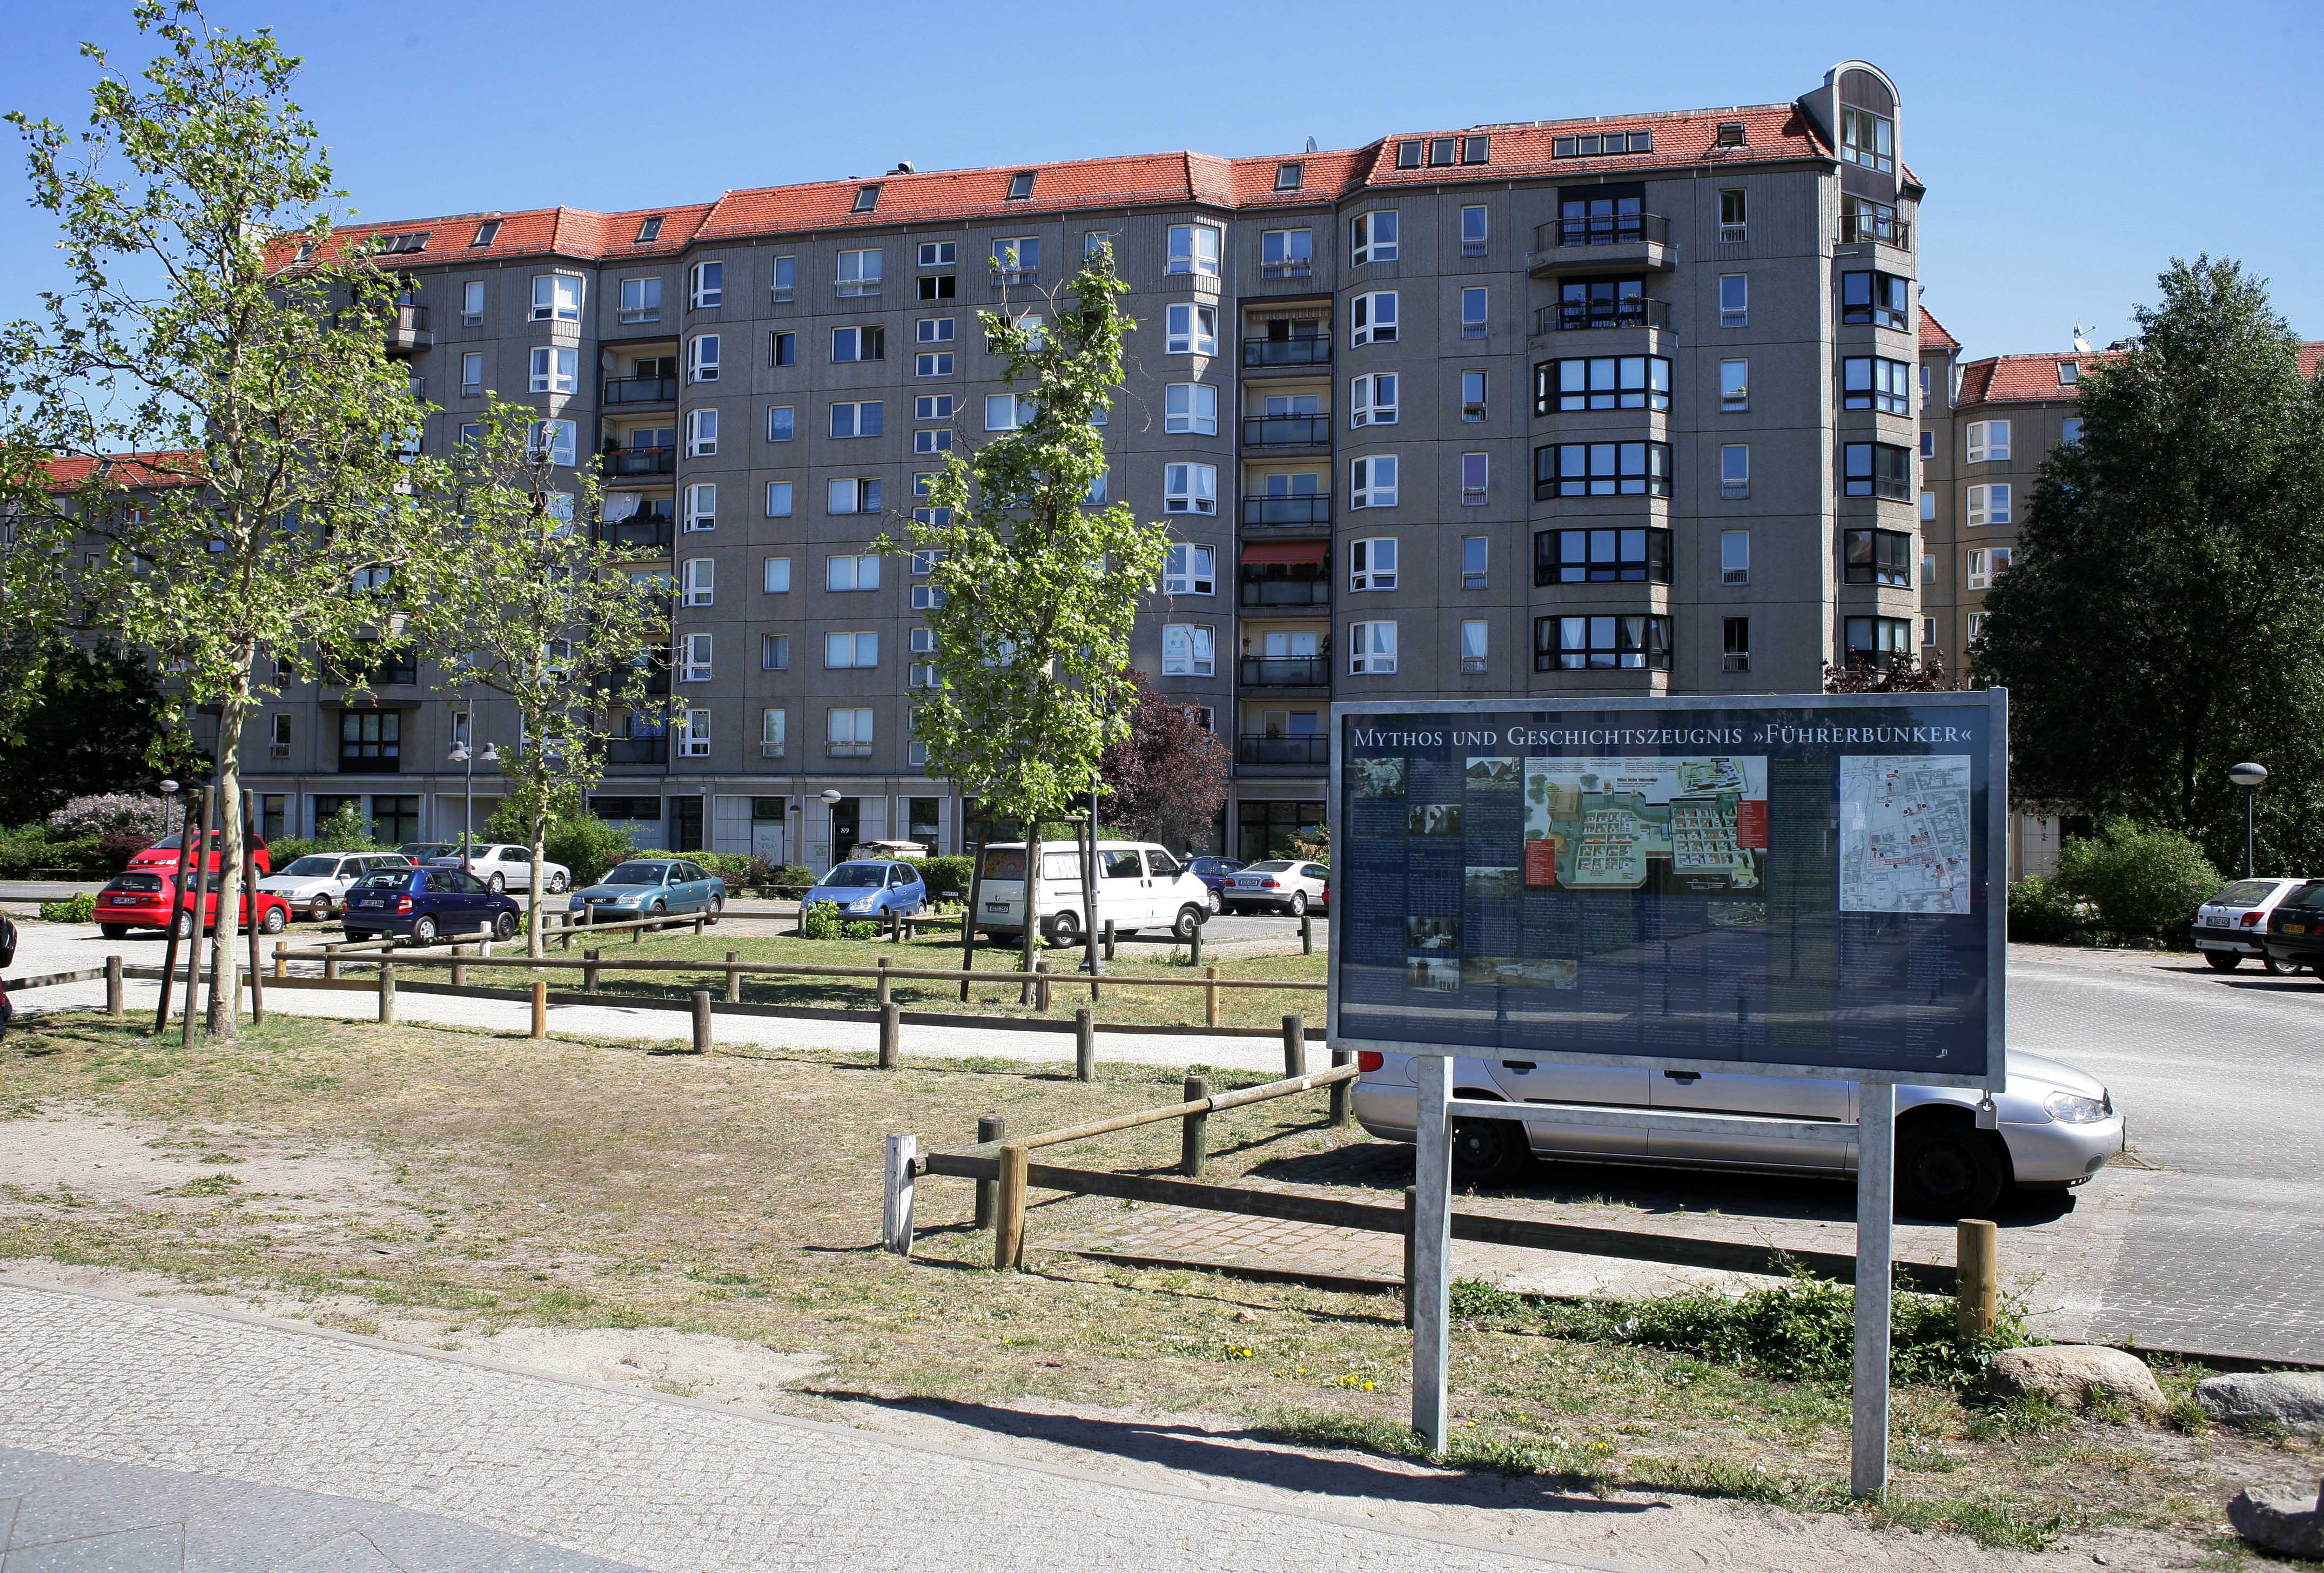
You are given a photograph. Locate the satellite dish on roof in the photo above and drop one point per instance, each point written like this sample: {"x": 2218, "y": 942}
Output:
{"x": 2081, "y": 338}
{"x": 1311, "y": 144}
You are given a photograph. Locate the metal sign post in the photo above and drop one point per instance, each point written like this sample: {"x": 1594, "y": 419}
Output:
{"x": 1431, "y": 1251}
{"x": 1876, "y": 1185}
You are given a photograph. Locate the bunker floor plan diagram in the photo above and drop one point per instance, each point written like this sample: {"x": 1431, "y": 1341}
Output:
{"x": 1602, "y": 824}
{"x": 1904, "y": 832}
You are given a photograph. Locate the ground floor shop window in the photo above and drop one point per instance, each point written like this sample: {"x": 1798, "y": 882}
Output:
{"x": 1271, "y": 830}
{"x": 395, "y": 820}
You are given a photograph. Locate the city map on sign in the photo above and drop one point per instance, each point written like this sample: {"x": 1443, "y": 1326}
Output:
{"x": 1652, "y": 823}
{"x": 1904, "y": 832}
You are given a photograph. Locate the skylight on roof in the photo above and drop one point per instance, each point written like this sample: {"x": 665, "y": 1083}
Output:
{"x": 1290, "y": 177}
{"x": 2069, "y": 374}
{"x": 867, "y": 198}
{"x": 1598, "y": 143}
{"x": 486, "y": 233}
{"x": 413, "y": 240}
{"x": 1020, "y": 186}
{"x": 1729, "y": 134}
{"x": 649, "y": 229}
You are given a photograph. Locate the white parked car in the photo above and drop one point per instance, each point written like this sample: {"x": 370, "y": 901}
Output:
{"x": 505, "y": 867}
{"x": 316, "y": 886}
{"x": 1139, "y": 885}
{"x": 1279, "y": 885}
{"x": 2228, "y": 926}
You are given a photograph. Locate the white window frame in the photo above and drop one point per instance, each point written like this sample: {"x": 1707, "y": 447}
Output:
{"x": 1473, "y": 324}
{"x": 1739, "y": 314}
{"x": 698, "y": 582}
{"x": 1372, "y": 399}
{"x": 559, "y": 436}
{"x": 939, "y": 253}
{"x": 861, "y": 501}
{"x": 1007, "y": 412}
{"x": 702, "y": 357}
{"x": 1480, "y": 576}
{"x": 1192, "y": 408}
{"x": 782, "y": 423}
{"x": 1188, "y": 487}
{"x": 2070, "y": 431}
{"x": 1734, "y": 469}
{"x": 854, "y": 645}
{"x": 701, "y": 505}
{"x": 1371, "y": 481}
{"x": 1734, "y": 385}
{"x": 694, "y": 737}
{"x": 776, "y": 577}
{"x": 555, "y": 369}
{"x": 1189, "y": 569}
{"x": 705, "y": 285}
{"x": 1973, "y": 570}
{"x": 935, "y": 330}
{"x": 854, "y": 275}
{"x": 773, "y": 722}
{"x": 932, "y": 406}
{"x": 1990, "y": 506}
{"x": 1476, "y": 640}
{"x": 1198, "y": 650}
{"x": 1372, "y": 564}
{"x": 1367, "y": 243}
{"x": 1730, "y": 573}
{"x": 856, "y": 420}
{"x": 1190, "y": 329}
{"x": 782, "y": 499}
{"x": 472, "y": 303}
{"x": 856, "y": 728}
{"x": 556, "y": 297}
{"x": 782, "y": 278}
{"x": 1372, "y": 317}
{"x": 1474, "y": 244}
{"x": 774, "y": 652}
{"x": 701, "y": 433}
{"x": 1988, "y": 441}
{"x": 472, "y": 386}
{"x": 1199, "y": 255}
{"x": 1476, "y": 479}
{"x": 695, "y": 662}
{"x": 1475, "y": 389}
{"x": 850, "y": 573}
{"x": 1371, "y": 647}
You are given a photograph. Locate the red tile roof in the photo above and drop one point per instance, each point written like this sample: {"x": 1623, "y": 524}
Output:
{"x": 2031, "y": 379}
{"x": 1683, "y": 139}
{"x": 1933, "y": 335}
{"x": 126, "y": 471}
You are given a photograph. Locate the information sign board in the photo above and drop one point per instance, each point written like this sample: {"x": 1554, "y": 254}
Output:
{"x": 1807, "y": 885}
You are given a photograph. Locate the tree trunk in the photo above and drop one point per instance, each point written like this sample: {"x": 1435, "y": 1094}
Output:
{"x": 976, "y": 895}
{"x": 225, "y": 970}
{"x": 1032, "y": 906}
{"x": 536, "y": 944}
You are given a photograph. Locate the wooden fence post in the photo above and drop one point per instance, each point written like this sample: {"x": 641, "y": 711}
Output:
{"x": 884, "y": 996}
{"x": 896, "y": 1217}
{"x": 698, "y": 918}
{"x": 1109, "y": 939}
{"x": 1195, "y": 1131}
{"x": 1343, "y": 1093}
{"x": 990, "y": 1128}
{"x": 1084, "y": 1044}
{"x": 386, "y": 993}
{"x": 1411, "y": 1210}
{"x": 1209, "y": 996}
{"x": 113, "y": 981}
{"x": 891, "y": 1034}
{"x": 701, "y": 999}
{"x": 282, "y": 959}
{"x": 895, "y": 925}
{"x": 1306, "y": 934}
{"x": 637, "y": 931}
{"x": 588, "y": 969}
{"x": 540, "y": 1009}
{"x": 1294, "y": 1045}
{"x": 459, "y": 972}
{"x": 1041, "y": 984}
{"x": 733, "y": 978}
{"x": 1975, "y": 1261}
{"x": 1195, "y": 948}
{"x": 1009, "y": 1228}
{"x": 331, "y": 962}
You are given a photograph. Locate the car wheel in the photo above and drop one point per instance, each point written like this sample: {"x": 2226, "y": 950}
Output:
{"x": 423, "y": 932}
{"x": 320, "y": 910}
{"x": 661, "y": 909}
{"x": 2275, "y": 968}
{"x": 1488, "y": 1152}
{"x": 1297, "y": 906}
{"x": 503, "y": 925}
{"x": 717, "y": 906}
{"x": 558, "y": 884}
{"x": 497, "y": 883}
{"x": 276, "y": 919}
{"x": 182, "y": 925}
{"x": 2224, "y": 961}
{"x": 1189, "y": 923}
{"x": 1213, "y": 902}
{"x": 1948, "y": 1169}
{"x": 113, "y": 931}
{"x": 1062, "y": 931}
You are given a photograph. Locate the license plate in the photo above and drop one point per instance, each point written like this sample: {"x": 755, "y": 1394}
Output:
{"x": 121, "y": 900}
{"x": 996, "y": 907}
{"x": 2295, "y": 928}
{"x": 2217, "y": 922}
{"x": 371, "y": 902}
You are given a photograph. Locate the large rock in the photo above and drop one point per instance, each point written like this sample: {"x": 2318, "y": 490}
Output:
{"x": 2071, "y": 1375}
{"x": 2290, "y": 1525}
{"x": 2293, "y": 1398}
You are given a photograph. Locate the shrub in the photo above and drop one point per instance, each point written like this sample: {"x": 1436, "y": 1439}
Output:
{"x": 798, "y": 874}
{"x": 2143, "y": 880}
{"x": 861, "y": 928}
{"x": 948, "y": 875}
{"x": 820, "y": 921}
{"x": 2039, "y": 914}
{"x": 348, "y": 831}
{"x": 36, "y": 846}
{"x": 78, "y": 907}
{"x": 125, "y": 814}
{"x": 281, "y": 854}
{"x": 577, "y": 839}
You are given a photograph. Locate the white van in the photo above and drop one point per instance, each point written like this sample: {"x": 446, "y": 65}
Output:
{"x": 1139, "y": 885}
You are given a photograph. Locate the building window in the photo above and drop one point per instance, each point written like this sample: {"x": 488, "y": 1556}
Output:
{"x": 701, "y": 358}
{"x": 852, "y": 419}
{"x": 1371, "y": 238}
{"x": 867, "y": 198}
{"x": 1190, "y": 488}
{"x": 1734, "y": 212}
{"x": 1928, "y": 443}
{"x": 1877, "y": 470}
{"x": 1473, "y": 395}
{"x": 1882, "y": 300}
{"x": 1472, "y": 562}
{"x": 702, "y": 505}
{"x": 1094, "y": 241}
{"x": 932, "y": 406}
{"x": 1371, "y": 649}
{"x": 472, "y": 374}
{"x": 1372, "y": 400}
{"x": 939, "y": 253}
{"x": 556, "y": 437}
{"x": 1630, "y": 469}
{"x": 1287, "y": 254}
{"x": 858, "y": 494}
{"x": 933, "y": 330}
{"x": 2070, "y": 431}
{"x": 1875, "y": 383}
{"x": 1928, "y": 508}
{"x": 1976, "y": 626}
{"x": 1604, "y": 382}
{"x": 1988, "y": 505}
{"x": 932, "y": 442}
{"x": 852, "y": 573}
{"x": 1734, "y": 299}
{"x": 1475, "y": 226}
{"x": 693, "y": 658}
{"x": 1188, "y": 651}
{"x": 1735, "y": 470}
{"x": 859, "y": 272}
{"x": 1867, "y": 139}
{"x": 1877, "y": 556}
{"x": 1015, "y": 259}
{"x": 1289, "y": 177}
{"x": 697, "y": 581}
{"x": 1988, "y": 441}
{"x": 1373, "y": 318}
{"x": 771, "y": 728}
{"x": 1474, "y": 311}
{"x": 1188, "y": 570}
{"x": 845, "y": 651}
{"x": 1007, "y": 411}
{"x": 1371, "y": 481}
{"x": 778, "y": 575}
{"x": 471, "y": 302}
{"x": 1190, "y": 407}
{"x": 847, "y": 734}
{"x": 782, "y": 423}
{"x": 1476, "y": 472}
{"x": 785, "y": 281}
{"x": 1191, "y": 330}
{"x": 1372, "y": 563}
{"x": 1616, "y": 643}
{"x": 553, "y": 370}
{"x": 1473, "y": 646}
{"x": 1876, "y": 635}
{"x": 706, "y": 285}
{"x": 1020, "y": 186}
{"x": 782, "y": 349}
{"x": 1735, "y": 640}
{"x": 1614, "y": 555}
{"x": 556, "y": 297}
{"x": 701, "y": 433}
{"x": 1734, "y": 386}
{"x": 1611, "y": 141}
{"x": 857, "y": 344}
{"x": 1928, "y": 577}
{"x": 1194, "y": 249}
{"x": 1407, "y": 154}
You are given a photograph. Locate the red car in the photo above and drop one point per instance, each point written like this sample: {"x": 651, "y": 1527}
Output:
{"x": 164, "y": 854}
{"x": 141, "y": 898}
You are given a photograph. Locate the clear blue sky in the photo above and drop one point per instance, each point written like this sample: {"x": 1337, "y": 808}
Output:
{"x": 2069, "y": 149}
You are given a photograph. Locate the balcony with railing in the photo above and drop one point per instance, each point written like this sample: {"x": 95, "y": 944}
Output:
{"x": 838, "y": 749}
{"x": 1602, "y": 241}
{"x": 1286, "y": 671}
{"x": 1286, "y": 431}
{"x": 638, "y": 750}
{"x": 1881, "y": 227}
{"x": 1626, "y": 311}
{"x": 1287, "y": 591}
{"x": 635, "y": 391}
{"x": 645, "y": 534}
{"x": 1313, "y": 349}
{"x": 408, "y": 330}
{"x": 631, "y": 464}
{"x": 1264, "y": 751}
{"x": 1297, "y": 511}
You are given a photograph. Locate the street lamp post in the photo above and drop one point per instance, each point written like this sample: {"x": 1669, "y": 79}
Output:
{"x": 829, "y": 798}
{"x": 463, "y": 755}
{"x": 2248, "y": 776}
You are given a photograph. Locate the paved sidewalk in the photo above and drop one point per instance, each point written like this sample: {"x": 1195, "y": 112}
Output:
{"x": 639, "y": 1479}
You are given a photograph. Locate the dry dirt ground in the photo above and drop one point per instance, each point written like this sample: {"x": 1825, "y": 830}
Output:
{"x": 704, "y": 1225}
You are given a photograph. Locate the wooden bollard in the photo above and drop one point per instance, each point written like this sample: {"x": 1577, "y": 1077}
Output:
{"x": 459, "y": 970}
{"x": 733, "y": 978}
{"x": 891, "y": 1036}
{"x": 1084, "y": 1044}
{"x": 540, "y": 1009}
{"x": 895, "y": 925}
{"x": 1195, "y": 1131}
{"x": 589, "y": 971}
{"x": 1294, "y": 1045}
{"x": 1976, "y": 1258}
{"x": 1210, "y": 995}
{"x": 1041, "y": 984}
{"x": 282, "y": 959}
{"x": 331, "y": 962}
{"x": 885, "y": 997}
{"x": 1195, "y": 948}
{"x": 113, "y": 981}
{"x": 699, "y": 918}
{"x": 990, "y": 1128}
{"x": 638, "y": 932}
{"x": 1109, "y": 939}
{"x": 701, "y": 1000}
{"x": 1008, "y": 1224}
{"x": 1343, "y": 1093}
{"x": 386, "y": 993}
{"x": 1306, "y": 934}
{"x": 1411, "y": 1264}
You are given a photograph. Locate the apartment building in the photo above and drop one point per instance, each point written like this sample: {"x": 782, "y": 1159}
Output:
{"x": 1617, "y": 406}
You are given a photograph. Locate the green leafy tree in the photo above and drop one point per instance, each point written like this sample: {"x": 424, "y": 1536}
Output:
{"x": 91, "y": 719}
{"x": 2164, "y": 618}
{"x": 1038, "y": 587}
{"x": 539, "y": 613}
{"x": 211, "y": 329}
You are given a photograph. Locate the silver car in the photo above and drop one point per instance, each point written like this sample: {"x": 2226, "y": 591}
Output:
{"x": 316, "y": 886}
{"x": 2228, "y": 927}
{"x": 2058, "y": 1125}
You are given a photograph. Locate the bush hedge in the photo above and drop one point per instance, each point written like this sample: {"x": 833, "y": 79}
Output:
{"x": 2039, "y": 914}
{"x": 2144, "y": 882}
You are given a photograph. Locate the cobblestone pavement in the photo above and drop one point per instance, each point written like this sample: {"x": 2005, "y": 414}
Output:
{"x": 638, "y": 1479}
{"x": 60, "y": 1513}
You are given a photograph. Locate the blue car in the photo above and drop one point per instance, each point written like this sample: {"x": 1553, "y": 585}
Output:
{"x": 1215, "y": 873}
{"x": 870, "y": 889}
{"x": 420, "y": 904}
{"x": 650, "y": 887}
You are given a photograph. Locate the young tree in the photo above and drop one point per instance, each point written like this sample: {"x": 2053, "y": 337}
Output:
{"x": 1166, "y": 779}
{"x": 210, "y": 331}
{"x": 538, "y": 612}
{"x": 1038, "y": 587}
{"x": 2164, "y": 618}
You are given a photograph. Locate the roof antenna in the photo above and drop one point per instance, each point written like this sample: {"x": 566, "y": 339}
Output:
{"x": 1311, "y": 144}
{"x": 2081, "y": 338}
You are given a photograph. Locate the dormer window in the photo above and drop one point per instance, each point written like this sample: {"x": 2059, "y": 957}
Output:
{"x": 305, "y": 251}
{"x": 649, "y": 229}
{"x": 2069, "y": 374}
{"x": 1476, "y": 149}
{"x": 1729, "y": 134}
{"x": 867, "y": 198}
{"x": 1290, "y": 177}
{"x": 1020, "y": 186}
{"x": 1597, "y": 143}
{"x": 1441, "y": 148}
{"x": 416, "y": 241}
{"x": 486, "y": 233}
{"x": 1407, "y": 153}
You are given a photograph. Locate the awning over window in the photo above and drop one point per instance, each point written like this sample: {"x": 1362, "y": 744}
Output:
{"x": 1300, "y": 551}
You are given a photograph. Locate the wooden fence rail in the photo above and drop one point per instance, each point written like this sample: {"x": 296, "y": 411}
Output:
{"x": 817, "y": 970}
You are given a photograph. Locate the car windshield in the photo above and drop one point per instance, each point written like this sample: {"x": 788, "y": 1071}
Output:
{"x": 1272, "y": 866}
{"x": 2245, "y": 893}
{"x": 384, "y": 879}
{"x": 634, "y": 874}
{"x": 314, "y": 868}
{"x": 144, "y": 883}
{"x": 2308, "y": 896}
{"x": 857, "y": 876}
